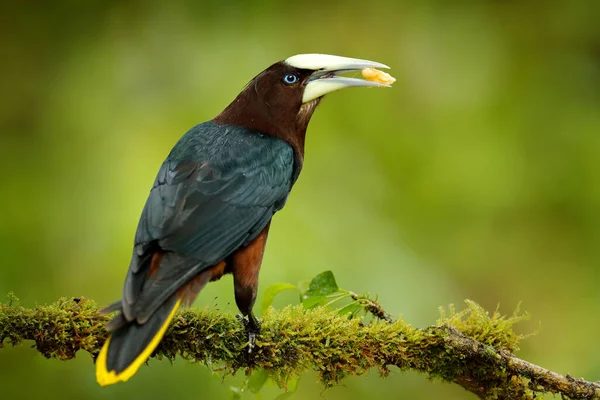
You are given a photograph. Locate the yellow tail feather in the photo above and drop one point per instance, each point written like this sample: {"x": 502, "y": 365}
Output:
{"x": 105, "y": 377}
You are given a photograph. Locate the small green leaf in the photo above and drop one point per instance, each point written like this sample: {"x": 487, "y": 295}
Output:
{"x": 303, "y": 285}
{"x": 322, "y": 285}
{"x": 332, "y": 298}
{"x": 353, "y": 308}
{"x": 314, "y": 301}
{"x": 257, "y": 380}
{"x": 271, "y": 292}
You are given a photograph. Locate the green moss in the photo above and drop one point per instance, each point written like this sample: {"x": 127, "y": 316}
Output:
{"x": 475, "y": 322}
{"x": 59, "y": 330}
{"x": 294, "y": 340}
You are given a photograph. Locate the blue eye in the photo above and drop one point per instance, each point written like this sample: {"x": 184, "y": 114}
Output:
{"x": 290, "y": 78}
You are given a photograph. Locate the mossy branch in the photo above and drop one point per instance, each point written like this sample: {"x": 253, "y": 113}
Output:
{"x": 470, "y": 348}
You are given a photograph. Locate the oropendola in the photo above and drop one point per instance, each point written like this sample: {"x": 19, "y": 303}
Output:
{"x": 211, "y": 205}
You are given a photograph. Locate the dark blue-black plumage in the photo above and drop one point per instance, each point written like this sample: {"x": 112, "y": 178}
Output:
{"x": 215, "y": 192}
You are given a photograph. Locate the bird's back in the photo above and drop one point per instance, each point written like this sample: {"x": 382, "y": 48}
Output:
{"x": 211, "y": 167}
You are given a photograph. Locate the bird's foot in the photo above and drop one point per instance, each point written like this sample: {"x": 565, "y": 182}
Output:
{"x": 252, "y": 329}
{"x": 251, "y": 341}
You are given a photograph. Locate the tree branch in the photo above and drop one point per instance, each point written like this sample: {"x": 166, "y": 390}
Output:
{"x": 470, "y": 348}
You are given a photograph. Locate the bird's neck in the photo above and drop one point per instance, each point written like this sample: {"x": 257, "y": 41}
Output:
{"x": 251, "y": 114}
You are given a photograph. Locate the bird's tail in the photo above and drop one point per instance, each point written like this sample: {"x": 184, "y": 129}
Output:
{"x": 129, "y": 346}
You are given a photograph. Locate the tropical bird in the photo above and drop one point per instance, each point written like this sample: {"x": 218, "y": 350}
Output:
{"x": 209, "y": 210}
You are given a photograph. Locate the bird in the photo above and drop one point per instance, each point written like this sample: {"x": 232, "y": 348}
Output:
{"x": 210, "y": 207}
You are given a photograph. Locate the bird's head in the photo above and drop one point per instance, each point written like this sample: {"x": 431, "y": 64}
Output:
{"x": 280, "y": 100}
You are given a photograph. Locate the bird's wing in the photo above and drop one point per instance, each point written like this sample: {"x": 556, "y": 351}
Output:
{"x": 199, "y": 212}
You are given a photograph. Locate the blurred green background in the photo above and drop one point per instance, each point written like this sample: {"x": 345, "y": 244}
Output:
{"x": 476, "y": 176}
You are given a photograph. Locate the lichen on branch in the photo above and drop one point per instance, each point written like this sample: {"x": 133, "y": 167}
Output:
{"x": 471, "y": 347}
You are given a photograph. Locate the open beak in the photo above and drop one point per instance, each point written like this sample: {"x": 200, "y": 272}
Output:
{"x": 326, "y": 67}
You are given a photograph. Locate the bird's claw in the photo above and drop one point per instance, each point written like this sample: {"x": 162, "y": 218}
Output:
{"x": 252, "y": 329}
{"x": 251, "y": 341}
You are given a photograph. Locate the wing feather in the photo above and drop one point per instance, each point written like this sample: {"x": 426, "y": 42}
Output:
{"x": 216, "y": 191}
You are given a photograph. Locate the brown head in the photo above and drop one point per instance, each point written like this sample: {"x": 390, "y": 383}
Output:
{"x": 280, "y": 100}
